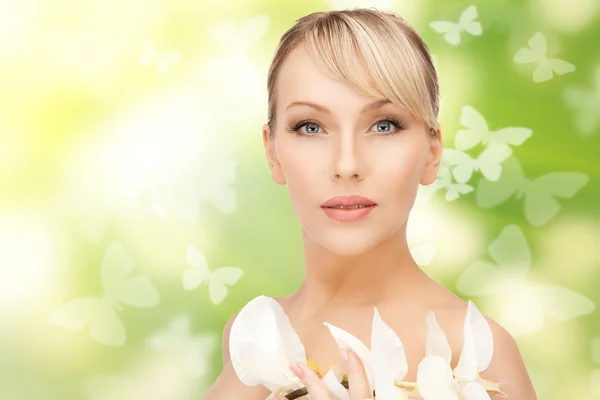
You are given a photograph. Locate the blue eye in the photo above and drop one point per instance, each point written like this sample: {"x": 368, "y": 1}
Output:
{"x": 313, "y": 127}
{"x": 307, "y": 125}
{"x": 388, "y": 122}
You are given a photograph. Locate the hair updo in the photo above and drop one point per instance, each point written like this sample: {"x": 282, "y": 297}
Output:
{"x": 376, "y": 52}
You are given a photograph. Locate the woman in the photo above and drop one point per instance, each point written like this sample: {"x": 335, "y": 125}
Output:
{"x": 352, "y": 131}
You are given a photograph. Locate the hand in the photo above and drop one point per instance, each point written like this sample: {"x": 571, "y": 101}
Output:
{"x": 357, "y": 380}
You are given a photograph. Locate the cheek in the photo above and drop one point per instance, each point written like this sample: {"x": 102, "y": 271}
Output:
{"x": 304, "y": 172}
{"x": 399, "y": 165}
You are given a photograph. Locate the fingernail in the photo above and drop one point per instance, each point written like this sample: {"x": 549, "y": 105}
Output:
{"x": 297, "y": 370}
{"x": 344, "y": 354}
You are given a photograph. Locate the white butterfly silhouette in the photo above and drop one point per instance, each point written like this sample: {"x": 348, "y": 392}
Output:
{"x": 423, "y": 254}
{"x": 90, "y": 221}
{"x": 213, "y": 187}
{"x": 527, "y": 304}
{"x": 100, "y": 313}
{"x": 540, "y": 203}
{"x": 489, "y": 162}
{"x": 466, "y": 23}
{"x": 198, "y": 273}
{"x": 177, "y": 339}
{"x": 536, "y": 54}
{"x": 586, "y": 104}
{"x": 445, "y": 181}
{"x": 478, "y": 132}
{"x": 162, "y": 61}
{"x": 156, "y": 195}
{"x": 239, "y": 38}
{"x": 162, "y": 196}
{"x": 216, "y": 189}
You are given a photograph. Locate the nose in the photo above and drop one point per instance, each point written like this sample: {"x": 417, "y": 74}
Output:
{"x": 348, "y": 159}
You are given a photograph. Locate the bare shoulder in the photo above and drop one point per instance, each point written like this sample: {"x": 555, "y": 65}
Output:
{"x": 507, "y": 365}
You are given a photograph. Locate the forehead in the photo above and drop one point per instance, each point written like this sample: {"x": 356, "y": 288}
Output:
{"x": 300, "y": 78}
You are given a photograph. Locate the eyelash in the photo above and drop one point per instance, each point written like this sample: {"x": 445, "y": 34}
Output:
{"x": 294, "y": 128}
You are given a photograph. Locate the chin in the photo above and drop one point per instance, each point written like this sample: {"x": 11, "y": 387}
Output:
{"x": 347, "y": 242}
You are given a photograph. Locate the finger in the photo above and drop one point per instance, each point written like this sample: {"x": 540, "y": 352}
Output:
{"x": 315, "y": 386}
{"x": 357, "y": 378}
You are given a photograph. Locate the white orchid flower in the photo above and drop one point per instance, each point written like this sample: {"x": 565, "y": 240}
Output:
{"x": 263, "y": 344}
{"x": 384, "y": 364}
{"x": 435, "y": 378}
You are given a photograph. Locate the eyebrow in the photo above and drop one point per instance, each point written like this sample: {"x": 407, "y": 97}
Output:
{"x": 369, "y": 107}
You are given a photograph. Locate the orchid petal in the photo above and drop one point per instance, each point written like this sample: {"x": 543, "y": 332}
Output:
{"x": 435, "y": 380}
{"x": 253, "y": 358}
{"x": 263, "y": 344}
{"x": 332, "y": 381}
{"x": 484, "y": 340}
{"x": 346, "y": 340}
{"x": 474, "y": 391}
{"x": 436, "y": 342}
{"x": 478, "y": 345}
{"x": 388, "y": 358}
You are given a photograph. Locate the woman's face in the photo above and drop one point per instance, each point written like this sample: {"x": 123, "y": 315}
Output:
{"x": 345, "y": 148}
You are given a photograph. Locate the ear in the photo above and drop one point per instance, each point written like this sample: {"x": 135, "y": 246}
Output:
{"x": 432, "y": 165}
{"x": 274, "y": 165}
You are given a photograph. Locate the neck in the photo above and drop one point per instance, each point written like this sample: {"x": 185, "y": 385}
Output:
{"x": 386, "y": 271}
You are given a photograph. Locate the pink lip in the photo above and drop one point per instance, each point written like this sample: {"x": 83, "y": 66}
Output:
{"x": 350, "y": 215}
{"x": 353, "y": 200}
{"x": 341, "y": 215}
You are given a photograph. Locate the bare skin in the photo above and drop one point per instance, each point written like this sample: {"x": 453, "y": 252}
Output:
{"x": 351, "y": 267}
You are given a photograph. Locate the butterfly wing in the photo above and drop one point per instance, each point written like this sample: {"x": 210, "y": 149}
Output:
{"x": 138, "y": 291}
{"x": 450, "y": 30}
{"x": 217, "y": 186}
{"x": 104, "y": 324}
{"x": 514, "y": 136}
{"x": 115, "y": 267}
{"x": 477, "y": 129}
{"x": 462, "y": 162}
{"x": 538, "y": 45}
{"x": 490, "y": 159}
{"x": 542, "y": 72}
{"x": 560, "y": 67}
{"x": 456, "y": 189}
{"x": 75, "y": 314}
{"x": 107, "y": 328}
{"x": 219, "y": 278}
{"x": 467, "y": 21}
{"x": 482, "y": 278}
{"x": 198, "y": 271}
{"x": 253, "y": 29}
{"x": 562, "y": 304}
{"x": 240, "y": 37}
{"x": 540, "y": 204}
{"x": 490, "y": 194}
{"x": 511, "y": 251}
{"x": 525, "y": 56}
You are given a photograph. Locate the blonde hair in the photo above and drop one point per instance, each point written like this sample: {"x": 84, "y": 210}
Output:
{"x": 376, "y": 52}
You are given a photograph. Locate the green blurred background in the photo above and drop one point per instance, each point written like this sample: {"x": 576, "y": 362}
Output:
{"x": 132, "y": 171}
